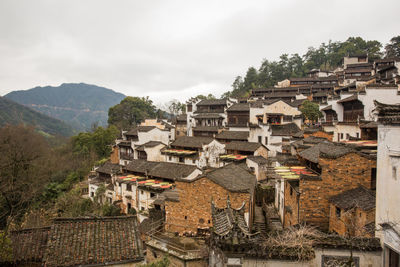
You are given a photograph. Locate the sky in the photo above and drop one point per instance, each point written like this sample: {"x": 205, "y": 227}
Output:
{"x": 171, "y": 49}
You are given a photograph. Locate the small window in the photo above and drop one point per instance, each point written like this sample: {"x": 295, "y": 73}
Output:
{"x": 338, "y": 212}
{"x": 91, "y": 194}
{"x": 291, "y": 191}
{"x": 347, "y": 136}
{"x": 341, "y": 136}
{"x": 193, "y": 161}
{"x": 266, "y": 140}
{"x": 185, "y": 217}
{"x": 181, "y": 159}
{"x": 259, "y": 139}
{"x": 128, "y": 187}
{"x": 358, "y": 135}
{"x": 152, "y": 194}
{"x": 142, "y": 208}
{"x": 201, "y": 220}
{"x": 141, "y": 192}
{"x": 169, "y": 158}
{"x": 394, "y": 172}
{"x": 209, "y": 221}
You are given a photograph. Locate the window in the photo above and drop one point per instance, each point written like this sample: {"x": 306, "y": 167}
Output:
{"x": 259, "y": 139}
{"x": 201, "y": 220}
{"x": 193, "y": 161}
{"x": 185, "y": 217}
{"x": 152, "y": 194}
{"x": 181, "y": 159}
{"x": 141, "y": 192}
{"x": 338, "y": 212}
{"x": 394, "y": 172}
{"x": 266, "y": 140}
{"x": 189, "y": 107}
{"x": 373, "y": 178}
{"x": 169, "y": 158}
{"x": 128, "y": 187}
{"x": 291, "y": 191}
{"x": 129, "y": 206}
{"x": 142, "y": 208}
{"x": 91, "y": 194}
{"x": 358, "y": 135}
{"x": 341, "y": 135}
{"x": 347, "y": 136}
{"x": 209, "y": 221}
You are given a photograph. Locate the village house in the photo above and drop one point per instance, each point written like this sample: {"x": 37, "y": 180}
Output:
{"x": 180, "y": 122}
{"x": 333, "y": 169}
{"x": 388, "y": 183}
{"x": 206, "y": 117}
{"x": 103, "y": 178}
{"x": 189, "y": 210}
{"x": 146, "y": 180}
{"x": 229, "y": 136}
{"x": 195, "y": 150}
{"x": 352, "y": 213}
{"x": 238, "y": 117}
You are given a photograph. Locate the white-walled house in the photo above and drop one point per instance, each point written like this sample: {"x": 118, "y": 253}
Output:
{"x": 388, "y": 182}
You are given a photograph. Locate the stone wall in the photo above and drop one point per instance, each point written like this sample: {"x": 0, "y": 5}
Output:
{"x": 114, "y": 157}
{"x": 154, "y": 255}
{"x": 193, "y": 210}
{"x": 338, "y": 175}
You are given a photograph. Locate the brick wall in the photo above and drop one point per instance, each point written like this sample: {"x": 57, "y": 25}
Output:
{"x": 351, "y": 222}
{"x": 338, "y": 175}
{"x": 193, "y": 210}
{"x": 291, "y": 206}
{"x": 114, "y": 157}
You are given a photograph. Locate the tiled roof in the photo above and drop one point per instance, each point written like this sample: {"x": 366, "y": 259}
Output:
{"x": 376, "y": 85}
{"x": 243, "y": 146}
{"x": 387, "y": 114}
{"x": 357, "y": 71}
{"x": 149, "y": 144}
{"x": 171, "y": 195}
{"x": 258, "y": 159}
{"x": 207, "y": 116}
{"x": 137, "y": 129}
{"x": 93, "y": 241}
{"x": 325, "y": 149}
{"x": 210, "y": 102}
{"x": 191, "y": 141}
{"x": 359, "y": 197}
{"x": 206, "y": 129}
{"x": 181, "y": 117}
{"x": 358, "y": 65}
{"x": 108, "y": 168}
{"x": 239, "y": 107}
{"x": 327, "y": 108}
{"x": 387, "y": 60}
{"x": 284, "y": 129}
{"x": 348, "y": 99}
{"x": 296, "y": 103}
{"x": 233, "y": 177}
{"x": 168, "y": 170}
{"x": 29, "y": 245}
{"x": 233, "y": 135}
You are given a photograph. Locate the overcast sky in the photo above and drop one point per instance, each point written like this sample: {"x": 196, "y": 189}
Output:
{"x": 170, "y": 49}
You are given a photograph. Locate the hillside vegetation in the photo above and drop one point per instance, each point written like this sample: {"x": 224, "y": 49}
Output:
{"x": 80, "y": 105}
{"x": 13, "y": 113}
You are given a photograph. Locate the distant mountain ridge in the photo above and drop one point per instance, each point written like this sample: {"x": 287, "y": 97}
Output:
{"x": 78, "y": 104}
{"x": 14, "y": 113}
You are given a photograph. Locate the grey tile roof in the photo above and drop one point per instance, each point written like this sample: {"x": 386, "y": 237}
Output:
{"x": 359, "y": 197}
{"x": 93, "y": 241}
{"x": 206, "y": 129}
{"x": 191, "y": 141}
{"x": 243, "y": 146}
{"x": 137, "y": 129}
{"x": 233, "y": 177}
{"x": 258, "y": 159}
{"x": 29, "y": 245}
{"x": 239, "y": 107}
{"x": 210, "y": 102}
{"x": 233, "y": 135}
{"x": 348, "y": 99}
{"x": 325, "y": 149}
{"x": 167, "y": 170}
{"x": 284, "y": 129}
{"x": 149, "y": 144}
{"x": 108, "y": 168}
{"x": 387, "y": 114}
{"x": 207, "y": 116}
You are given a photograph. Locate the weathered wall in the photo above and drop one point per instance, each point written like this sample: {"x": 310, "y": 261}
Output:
{"x": 154, "y": 255}
{"x": 338, "y": 175}
{"x": 291, "y": 206}
{"x": 193, "y": 210}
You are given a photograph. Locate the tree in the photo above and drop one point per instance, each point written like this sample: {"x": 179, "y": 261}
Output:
{"x": 131, "y": 112}
{"x": 24, "y": 170}
{"x": 392, "y": 49}
{"x": 203, "y": 97}
{"x": 175, "y": 107}
{"x": 310, "y": 111}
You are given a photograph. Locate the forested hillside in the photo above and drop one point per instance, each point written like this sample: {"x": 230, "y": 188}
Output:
{"x": 80, "y": 105}
{"x": 14, "y": 114}
{"x": 327, "y": 56}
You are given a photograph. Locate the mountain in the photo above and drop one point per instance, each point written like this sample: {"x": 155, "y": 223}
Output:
{"x": 78, "y": 104}
{"x": 14, "y": 113}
